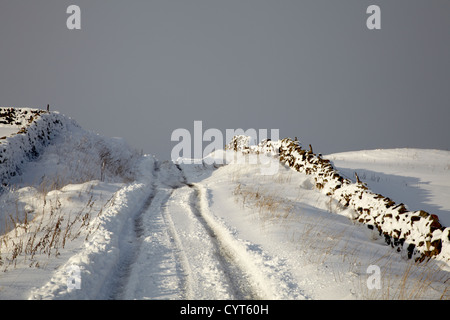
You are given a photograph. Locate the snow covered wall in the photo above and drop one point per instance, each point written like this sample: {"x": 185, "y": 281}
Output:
{"x": 419, "y": 232}
{"x": 38, "y": 128}
{"x": 111, "y": 157}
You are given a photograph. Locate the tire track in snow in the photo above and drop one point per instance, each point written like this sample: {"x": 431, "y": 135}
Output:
{"x": 259, "y": 275}
{"x": 128, "y": 249}
{"x": 204, "y": 275}
{"x": 249, "y": 272}
{"x": 240, "y": 286}
{"x": 158, "y": 272}
{"x": 160, "y": 269}
{"x": 128, "y": 252}
{"x": 232, "y": 276}
{"x": 183, "y": 264}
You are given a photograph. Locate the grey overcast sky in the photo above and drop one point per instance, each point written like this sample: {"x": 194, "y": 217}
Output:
{"x": 312, "y": 69}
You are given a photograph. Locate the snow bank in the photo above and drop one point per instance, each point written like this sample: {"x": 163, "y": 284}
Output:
{"x": 104, "y": 250}
{"x": 38, "y": 129}
{"x": 110, "y": 157}
{"x": 419, "y": 232}
{"x": 52, "y": 170}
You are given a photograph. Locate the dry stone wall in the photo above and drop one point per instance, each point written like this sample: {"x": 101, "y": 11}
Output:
{"x": 418, "y": 232}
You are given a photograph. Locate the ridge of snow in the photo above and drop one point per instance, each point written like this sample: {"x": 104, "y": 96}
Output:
{"x": 40, "y": 128}
{"x": 103, "y": 251}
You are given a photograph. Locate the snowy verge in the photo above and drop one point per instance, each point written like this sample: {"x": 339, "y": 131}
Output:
{"x": 97, "y": 260}
{"x": 56, "y": 177}
{"x": 420, "y": 232}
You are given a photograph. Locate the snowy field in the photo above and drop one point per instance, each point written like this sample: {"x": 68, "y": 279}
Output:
{"x": 92, "y": 219}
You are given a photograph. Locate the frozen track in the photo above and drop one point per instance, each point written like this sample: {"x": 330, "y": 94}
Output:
{"x": 129, "y": 250}
{"x": 250, "y": 272}
{"x": 173, "y": 253}
{"x": 177, "y": 249}
{"x": 210, "y": 267}
{"x": 238, "y": 280}
{"x": 156, "y": 272}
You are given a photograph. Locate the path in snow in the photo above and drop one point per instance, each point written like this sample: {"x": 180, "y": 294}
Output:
{"x": 148, "y": 266}
{"x": 176, "y": 253}
{"x": 211, "y": 266}
{"x": 129, "y": 248}
{"x": 176, "y": 249}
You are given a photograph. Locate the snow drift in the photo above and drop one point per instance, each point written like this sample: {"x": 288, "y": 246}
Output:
{"x": 38, "y": 128}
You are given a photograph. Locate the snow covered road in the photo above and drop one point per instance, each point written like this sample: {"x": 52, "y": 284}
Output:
{"x": 176, "y": 249}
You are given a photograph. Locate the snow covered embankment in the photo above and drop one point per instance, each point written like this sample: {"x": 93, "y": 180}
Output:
{"x": 69, "y": 199}
{"x": 104, "y": 259}
{"x": 420, "y": 232}
{"x": 38, "y": 128}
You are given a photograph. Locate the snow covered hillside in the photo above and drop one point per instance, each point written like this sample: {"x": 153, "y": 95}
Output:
{"x": 87, "y": 217}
